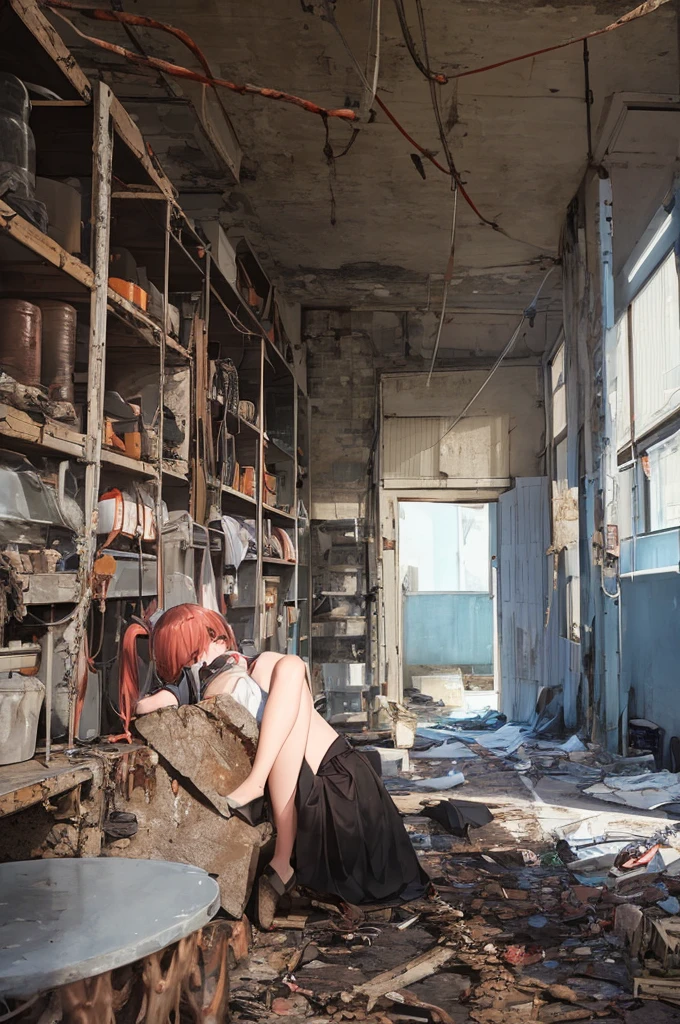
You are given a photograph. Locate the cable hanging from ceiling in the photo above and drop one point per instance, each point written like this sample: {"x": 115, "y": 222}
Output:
{"x": 528, "y": 314}
{"x": 448, "y": 275}
{"x": 207, "y": 78}
{"x": 423, "y": 66}
{"x": 177, "y": 70}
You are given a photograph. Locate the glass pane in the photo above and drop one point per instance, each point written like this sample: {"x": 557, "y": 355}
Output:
{"x": 559, "y": 393}
{"x": 561, "y": 478}
{"x": 443, "y": 548}
{"x": 656, "y": 348}
{"x": 664, "y": 484}
{"x": 626, "y": 478}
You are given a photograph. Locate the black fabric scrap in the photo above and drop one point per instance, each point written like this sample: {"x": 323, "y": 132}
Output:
{"x": 459, "y": 816}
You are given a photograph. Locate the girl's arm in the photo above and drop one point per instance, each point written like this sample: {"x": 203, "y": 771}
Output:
{"x": 160, "y": 699}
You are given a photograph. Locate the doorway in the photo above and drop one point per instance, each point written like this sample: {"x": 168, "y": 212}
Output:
{"x": 448, "y": 618}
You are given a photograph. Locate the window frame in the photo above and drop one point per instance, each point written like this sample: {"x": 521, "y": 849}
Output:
{"x": 645, "y": 261}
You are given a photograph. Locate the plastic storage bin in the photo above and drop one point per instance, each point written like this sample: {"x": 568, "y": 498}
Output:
{"x": 21, "y": 699}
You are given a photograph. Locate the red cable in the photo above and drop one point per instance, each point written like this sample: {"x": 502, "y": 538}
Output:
{"x": 181, "y": 72}
{"x": 440, "y": 167}
{"x": 638, "y": 12}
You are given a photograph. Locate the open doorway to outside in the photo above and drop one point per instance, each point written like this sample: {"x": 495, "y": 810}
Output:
{"x": 448, "y": 616}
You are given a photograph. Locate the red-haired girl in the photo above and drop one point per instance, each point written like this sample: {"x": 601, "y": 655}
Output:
{"x": 330, "y": 809}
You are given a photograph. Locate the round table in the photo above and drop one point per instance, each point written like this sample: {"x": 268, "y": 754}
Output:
{"x": 64, "y": 920}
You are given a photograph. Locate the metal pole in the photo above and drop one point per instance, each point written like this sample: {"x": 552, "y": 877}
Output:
{"x": 49, "y": 686}
{"x": 160, "y": 580}
{"x": 102, "y": 148}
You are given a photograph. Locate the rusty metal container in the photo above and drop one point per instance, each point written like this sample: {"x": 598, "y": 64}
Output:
{"x": 20, "y": 334}
{"x": 59, "y": 321}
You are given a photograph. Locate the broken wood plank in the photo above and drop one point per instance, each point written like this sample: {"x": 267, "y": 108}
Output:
{"x": 656, "y": 988}
{"x": 23, "y": 785}
{"x": 296, "y": 922}
{"x": 401, "y": 977}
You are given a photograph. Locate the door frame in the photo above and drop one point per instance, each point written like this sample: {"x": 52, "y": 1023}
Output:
{"x": 389, "y": 660}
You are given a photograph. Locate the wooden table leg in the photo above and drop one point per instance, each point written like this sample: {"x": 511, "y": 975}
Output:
{"x": 189, "y": 980}
{"x": 206, "y": 987}
{"x": 89, "y": 1001}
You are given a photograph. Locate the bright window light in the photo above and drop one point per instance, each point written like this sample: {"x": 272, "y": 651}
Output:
{"x": 658, "y": 235}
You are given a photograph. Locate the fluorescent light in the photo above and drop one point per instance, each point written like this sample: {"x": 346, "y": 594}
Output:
{"x": 658, "y": 235}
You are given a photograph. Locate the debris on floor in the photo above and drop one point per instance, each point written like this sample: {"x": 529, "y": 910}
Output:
{"x": 539, "y": 912}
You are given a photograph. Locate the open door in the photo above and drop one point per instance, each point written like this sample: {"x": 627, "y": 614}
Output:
{"x": 524, "y": 590}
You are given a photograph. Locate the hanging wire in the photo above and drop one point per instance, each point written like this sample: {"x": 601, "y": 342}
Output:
{"x": 422, "y": 65}
{"x": 447, "y": 282}
{"x": 528, "y": 314}
{"x": 374, "y": 32}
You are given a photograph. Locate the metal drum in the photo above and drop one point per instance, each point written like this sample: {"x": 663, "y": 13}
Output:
{"x": 20, "y": 333}
{"x": 59, "y": 322}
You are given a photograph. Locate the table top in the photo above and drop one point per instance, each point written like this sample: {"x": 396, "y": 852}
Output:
{"x": 62, "y": 920}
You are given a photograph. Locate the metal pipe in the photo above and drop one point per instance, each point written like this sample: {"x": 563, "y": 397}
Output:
{"x": 49, "y": 688}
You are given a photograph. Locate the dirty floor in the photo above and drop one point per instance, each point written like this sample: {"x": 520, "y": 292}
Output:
{"x": 509, "y": 936}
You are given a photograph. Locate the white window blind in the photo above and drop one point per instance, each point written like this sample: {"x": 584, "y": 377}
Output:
{"x": 655, "y": 326}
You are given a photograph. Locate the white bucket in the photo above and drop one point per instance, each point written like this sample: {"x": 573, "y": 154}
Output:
{"x": 21, "y": 699}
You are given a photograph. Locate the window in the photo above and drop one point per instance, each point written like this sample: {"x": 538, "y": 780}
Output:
{"x": 444, "y": 548}
{"x": 655, "y": 342}
{"x": 662, "y": 470}
{"x": 559, "y": 394}
{"x": 644, "y": 400}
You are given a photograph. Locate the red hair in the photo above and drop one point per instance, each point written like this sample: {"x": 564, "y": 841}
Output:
{"x": 182, "y": 634}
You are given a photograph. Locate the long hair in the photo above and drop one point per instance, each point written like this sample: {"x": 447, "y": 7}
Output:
{"x": 182, "y": 634}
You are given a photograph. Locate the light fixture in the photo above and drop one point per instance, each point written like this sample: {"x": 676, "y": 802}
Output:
{"x": 658, "y": 235}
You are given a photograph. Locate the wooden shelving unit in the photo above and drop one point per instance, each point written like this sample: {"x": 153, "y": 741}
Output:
{"x": 135, "y": 207}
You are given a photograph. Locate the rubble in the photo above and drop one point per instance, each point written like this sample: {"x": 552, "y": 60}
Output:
{"x": 527, "y": 923}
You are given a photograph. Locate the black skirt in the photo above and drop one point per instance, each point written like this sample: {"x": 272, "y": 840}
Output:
{"x": 351, "y": 841}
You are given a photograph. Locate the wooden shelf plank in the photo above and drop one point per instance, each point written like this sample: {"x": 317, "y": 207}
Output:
{"x": 274, "y": 450}
{"x": 274, "y": 513}
{"x": 136, "y": 466}
{"x": 47, "y": 36}
{"x": 43, "y": 246}
{"x": 229, "y": 492}
{"x": 142, "y": 324}
{"x": 23, "y": 785}
{"x": 174, "y": 472}
{"x": 52, "y": 435}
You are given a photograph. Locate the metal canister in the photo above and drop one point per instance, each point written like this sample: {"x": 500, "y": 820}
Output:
{"x": 20, "y": 333}
{"x": 59, "y": 321}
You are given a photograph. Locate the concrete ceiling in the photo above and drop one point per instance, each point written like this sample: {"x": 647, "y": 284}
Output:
{"x": 518, "y": 136}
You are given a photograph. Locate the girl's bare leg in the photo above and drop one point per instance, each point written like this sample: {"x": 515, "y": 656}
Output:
{"x": 321, "y": 734}
{"x": 291, "y": 730}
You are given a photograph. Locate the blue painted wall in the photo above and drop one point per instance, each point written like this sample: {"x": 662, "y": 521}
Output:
{"x": 448, "y": 629}
{"x": 651, "y": 648}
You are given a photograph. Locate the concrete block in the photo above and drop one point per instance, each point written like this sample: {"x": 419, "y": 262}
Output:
{"x": 392, "y": 761}
{"x": 200, "y": 753}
